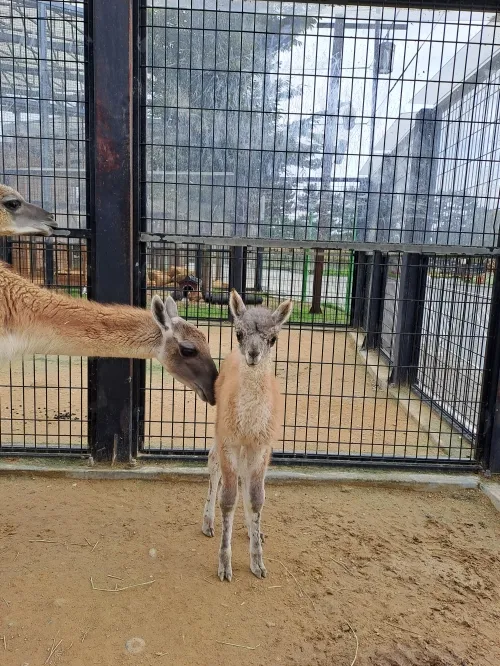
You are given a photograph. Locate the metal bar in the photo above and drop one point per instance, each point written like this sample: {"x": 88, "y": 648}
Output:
{"x": 206, "y": 270}
{"x": 419, "y": 248}
{"x": 139, "y": 214}
{"x": 236, "y": 269}
{"x": 409, "y": 318}
{"x": 488, "y": 445}
{"x": 370, "y": 24}
{"x": 198, "y": 271}
{"x": 375, "y": 302}
{"x": 329, "y": 147}
{"x": 484, "y": 5}
{"x": 73, "y": 233}
{"x": 278, "y": 459}
{"x": 110, "y": 386}
{"x": 374, "y": 187}
{"x": 419, "y": 186}
{"x": 62, "y": 452}
{"x": 259, "y": 265}
{"x": 359, "y": 291}
{"x": 49, "y": 262}
{"x": 331, "y": 461}
{"x": 47, "y": 161}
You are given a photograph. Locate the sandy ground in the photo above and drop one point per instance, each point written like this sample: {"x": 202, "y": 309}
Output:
{"x": 332, "y": 403}
{"x": 411, "y": 575}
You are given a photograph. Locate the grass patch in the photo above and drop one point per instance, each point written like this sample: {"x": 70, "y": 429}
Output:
{"x": 332, "y": 314}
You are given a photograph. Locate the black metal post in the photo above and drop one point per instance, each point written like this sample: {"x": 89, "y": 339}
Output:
{"x": 374, "y": 184}
{"x": 359, "y": 292}
{"x": 331, "y": 131}
{"x": 375, "y": 302}
{"x": 198, "y": 270}
{"x": 420, "y": 186}
{"x": 47, "y": 157}
{"x": 488, "y": 444}
{"x": 236, "y": 269}
{"x": 420, "y": 183}
{"x": 49, "y": 262}
{"x": 110, "y": 152}
{"x": 206, "y": 270}
{"x": 244, "y": 273}
{"x": 259, "y": 265}
{"x": 139, "y": 23}
{"x": 410, "y": 308}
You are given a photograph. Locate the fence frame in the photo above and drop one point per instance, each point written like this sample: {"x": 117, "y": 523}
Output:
{"x": 488, "y": 452}
{"x": 111, "y": 395}
{"x": 116, "y": 127}
{"x": 116, "y": 206}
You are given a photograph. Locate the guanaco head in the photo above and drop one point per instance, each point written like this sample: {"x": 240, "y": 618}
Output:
{"x": 184, "y": 350}
{"x": 20, "y": 218}
{"x": 257, "y": 328}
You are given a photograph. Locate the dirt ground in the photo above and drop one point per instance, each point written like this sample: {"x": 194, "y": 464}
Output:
{"x": 411, "y": 576}
{"x": 332, "y": 404}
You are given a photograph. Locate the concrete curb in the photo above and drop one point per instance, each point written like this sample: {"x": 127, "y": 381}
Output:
{"x": 424, "y": 481}
{"x": 429, "y": 481}
{"x": 492, "y": 491}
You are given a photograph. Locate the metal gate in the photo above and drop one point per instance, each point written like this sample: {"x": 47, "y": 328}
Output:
{"x": 344, "y": 156}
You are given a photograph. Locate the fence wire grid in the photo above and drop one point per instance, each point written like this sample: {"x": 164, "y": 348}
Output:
{"x": 342, "y": 397}
{"x": 319, "y": 122}
{"x": 343, "y": 156}
{"x": 44, "y": 399}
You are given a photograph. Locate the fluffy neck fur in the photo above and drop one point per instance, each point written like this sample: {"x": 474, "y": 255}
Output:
{"x": 40, "y": 321}
{"x": 247, "y": 400}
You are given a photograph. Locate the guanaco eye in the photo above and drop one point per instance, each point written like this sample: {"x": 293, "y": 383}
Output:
{"x": 187, "y": 349}
{"x": 239, "y": 336}
{"x": 272, "y": 341}
{"x": 13, "y": 204}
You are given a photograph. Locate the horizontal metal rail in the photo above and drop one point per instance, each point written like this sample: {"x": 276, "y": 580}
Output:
{"x": 279, "y": 243}
{"x": 330, "y": 460}
{"x": 73, "y": 233}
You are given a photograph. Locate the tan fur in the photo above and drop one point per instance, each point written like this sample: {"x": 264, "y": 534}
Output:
{"x": 27, "y": 219}
{"x": 34, "y": 320}
{"x": 249, "y": 416}
{"x": 49, "y": 323}
{"x": 250, "y": 404}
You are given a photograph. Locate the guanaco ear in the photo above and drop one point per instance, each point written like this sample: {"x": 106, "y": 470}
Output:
{"x": 236, "y": 304}
{"x": 283, "y": 312}
{"x": 160, "y": 312}
{"x": 171, "y": 307}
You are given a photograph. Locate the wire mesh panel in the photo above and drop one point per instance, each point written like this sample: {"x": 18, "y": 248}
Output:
{"x": 312, "y": 121}
{"x": 289, "y": 125}
{"x": 391, "y": 295}
{"x": 282, "y": 144}
{"x": 456, "y": 314}
{"x": 340, "y": 401}
{"x": 43, "y": 399}
{"x": 43, "y": 155}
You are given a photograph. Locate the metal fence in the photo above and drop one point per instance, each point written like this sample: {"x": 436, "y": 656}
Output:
{"x": 43, "y": 154}
{"x": 344, "y": 156}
